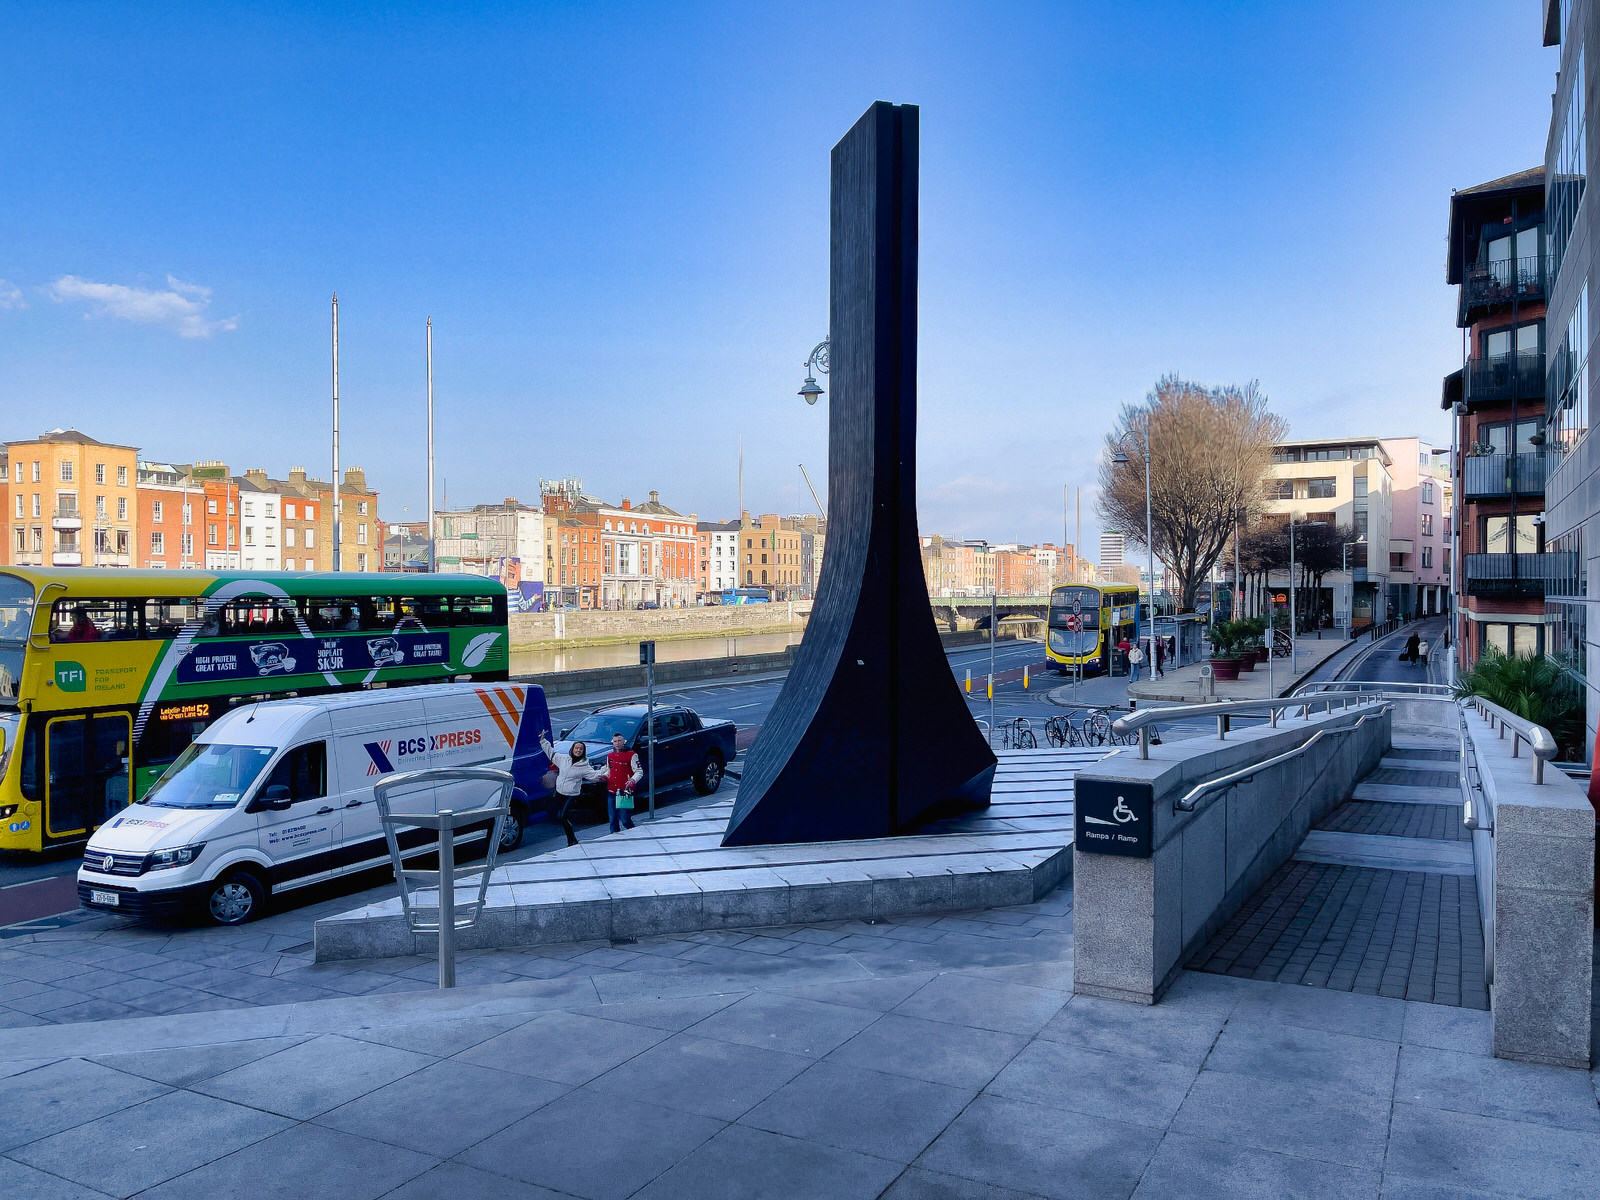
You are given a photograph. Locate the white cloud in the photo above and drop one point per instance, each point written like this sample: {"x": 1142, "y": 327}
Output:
{"x": 11, "y": 296}
{"x": 182, "y": 308}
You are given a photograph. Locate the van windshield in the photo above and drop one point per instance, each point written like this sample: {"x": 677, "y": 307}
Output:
{"x": 208, "y": 775}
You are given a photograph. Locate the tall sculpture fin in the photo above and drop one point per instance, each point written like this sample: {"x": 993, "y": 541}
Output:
{"x": 870, "y": 734}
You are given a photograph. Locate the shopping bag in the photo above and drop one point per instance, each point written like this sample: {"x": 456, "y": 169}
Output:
{"x": 624, "y": 799}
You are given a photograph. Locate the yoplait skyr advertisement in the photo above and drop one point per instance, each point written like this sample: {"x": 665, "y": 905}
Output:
{"x": 306, "y": 656}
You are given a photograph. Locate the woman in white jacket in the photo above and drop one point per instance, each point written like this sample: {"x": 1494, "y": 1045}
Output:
{"x": 573, "y": 770}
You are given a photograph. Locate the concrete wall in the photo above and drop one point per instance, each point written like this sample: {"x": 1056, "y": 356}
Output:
{"x": 532, "y": 629}
{"x": 1137, "y": 920}
{"x": 1543, "y": 873}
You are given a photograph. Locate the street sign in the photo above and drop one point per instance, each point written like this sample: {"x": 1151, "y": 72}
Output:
{"x": 647, "y": 653}
{"x": 1077, "y": 606}
{"x": 1074, "y": 622}
{"x": 1114, "y": 817}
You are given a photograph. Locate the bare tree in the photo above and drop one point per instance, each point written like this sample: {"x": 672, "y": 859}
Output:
{"x": 1210, "y": 450}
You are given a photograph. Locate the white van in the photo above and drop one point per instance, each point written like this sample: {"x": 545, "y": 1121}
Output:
{"x": 278, "y": 796}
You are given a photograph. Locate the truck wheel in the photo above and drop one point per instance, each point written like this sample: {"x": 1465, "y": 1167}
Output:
{"x": 235, "y": 898}
{"x": 709, "y": 777}
{"x": 511, "y": 832}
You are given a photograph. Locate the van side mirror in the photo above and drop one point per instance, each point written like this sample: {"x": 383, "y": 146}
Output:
{"x": 272, "y": 799}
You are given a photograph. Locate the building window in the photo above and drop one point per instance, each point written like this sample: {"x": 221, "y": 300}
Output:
{"x": 361, "y": 540}
{"x": 249, "y": 509}
{"x": 36, "y": 511}
{"x": 288, "y": 536}
{"x": 1503, "y": 535}
{"x": 188, "y": 545}
{"x": 1280, "y": 489}
{"x": 361, "y": 508}
{"x": 1427, "y": 527}
{"x": 230, "y": 508}
{"x": 311, "y": 539}
{"x": 122, "y": 541}
{"x": 122, "y": 508}
{"x": 20, "y": 513}
{"x": 211, "y": 507}
{"x": 66, "y": 471}
{"x": 1564, "y": 190}
{"x": 158, "y": 542}
{"x": 1427, "y": 557}
{"x": 155, "y": 512}
{"x": 99, "y": 472}
{"x": 99, "y": 506}
{"x": 36, "y": 472}
{"x": 268, "y": 508}
{"x": 211, "y": 535}
{"x": 288, "y": 512}
{"x": 122, "y": 476}
{"x": 1322, "y": 489}
{"x": 1569, "y": 378}
{"x": 232, "y": 533}
{"x": 361, "y": 562}
{"x": 249, "y": 535}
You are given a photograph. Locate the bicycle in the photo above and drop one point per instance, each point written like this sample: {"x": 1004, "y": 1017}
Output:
{"x": 1058, "y": 732}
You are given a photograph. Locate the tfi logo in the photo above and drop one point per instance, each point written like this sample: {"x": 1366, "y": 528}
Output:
{"x": 71, "y": 677}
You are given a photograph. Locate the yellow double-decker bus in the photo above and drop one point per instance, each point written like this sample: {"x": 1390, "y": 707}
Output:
{"x": 1088, "y": 637}
{"x": 107, "y": 675}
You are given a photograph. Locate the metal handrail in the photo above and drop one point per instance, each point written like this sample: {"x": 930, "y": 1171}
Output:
{"x": 1540, "y": 740}
{"x": 1441, "y": 691}
{"x": 1140, "y": 721}
{"x": 1187, "y": 802}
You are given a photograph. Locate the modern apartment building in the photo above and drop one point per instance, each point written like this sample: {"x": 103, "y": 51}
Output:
{"x": 1113, "y": 547}
{"x": 1499, "y": 260}
{"x": 1343, "y": 482}
{"x": 1572, "y": 230}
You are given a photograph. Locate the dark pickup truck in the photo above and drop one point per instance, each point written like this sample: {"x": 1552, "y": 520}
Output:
{"x": 686, "y": 747}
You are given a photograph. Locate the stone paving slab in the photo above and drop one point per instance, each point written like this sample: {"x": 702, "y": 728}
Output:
{"x": 674, "y": 875}
{"x": 970, "y": 1079}
{"x": 1441, "y": 822}
{"x": 1397, "y": 793}
{"x": 1389, "y": 853}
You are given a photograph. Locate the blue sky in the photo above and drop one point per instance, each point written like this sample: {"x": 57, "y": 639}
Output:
{"x": 617, "y": 217}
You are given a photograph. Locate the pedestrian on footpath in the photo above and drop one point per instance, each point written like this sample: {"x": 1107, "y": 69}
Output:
{"x": 1124, "y": 646}
{"x": 1161, "y": 657}
{"x": 1135, "y": 657}
{"x": 623, "y": 772}
{"x": 1422, "y": 653}
{"x": 1409, "y": 654}
{"x": 573, "y": 770}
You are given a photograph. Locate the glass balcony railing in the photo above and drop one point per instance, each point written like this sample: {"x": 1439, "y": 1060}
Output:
{"x": 1494, "y": 475}
{"x": 1504, "y": 377}
{"x": 1505, "y": 281}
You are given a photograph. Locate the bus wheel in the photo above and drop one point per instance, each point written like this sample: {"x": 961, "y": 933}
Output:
{"x": 235, "y": 898}
{"x": 511, "y": 831}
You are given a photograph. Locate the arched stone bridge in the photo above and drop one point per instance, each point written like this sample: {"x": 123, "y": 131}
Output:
{"x": 976, "y": 609}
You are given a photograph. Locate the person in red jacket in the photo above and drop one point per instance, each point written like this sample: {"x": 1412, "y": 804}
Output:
{"x": 623, "y": 772}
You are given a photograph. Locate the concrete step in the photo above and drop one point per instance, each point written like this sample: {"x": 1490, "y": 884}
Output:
{"x": 1395, "y": 762}
{"x": 1395, "y": 793}
{"x": 1386, "y": 853}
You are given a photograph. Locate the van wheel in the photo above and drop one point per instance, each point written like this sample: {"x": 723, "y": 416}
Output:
{"x": 511, "y": 831}
{"x": 709, "y": 777}
{"x": 235, "y": 899}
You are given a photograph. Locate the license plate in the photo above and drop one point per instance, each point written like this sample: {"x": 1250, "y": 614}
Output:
{"x": 108, "y": 898}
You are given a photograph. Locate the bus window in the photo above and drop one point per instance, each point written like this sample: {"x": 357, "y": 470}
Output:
{"x": 166, "y": 617}
{"x": 426, "y": 612}
{"x": 94, "y": 620}
{"x": 333, "y": 616}
{"x": 475, "y": 610}
{"x": 254, "y": 617}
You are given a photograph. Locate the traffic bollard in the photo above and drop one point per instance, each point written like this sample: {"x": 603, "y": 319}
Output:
{"x": 969, "y": 681}
{"x": 1024, "y": 676}
{"x": 991, "y": 687}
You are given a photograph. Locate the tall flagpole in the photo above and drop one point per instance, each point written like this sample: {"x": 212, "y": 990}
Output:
{"x": 432, "y": 562}
{"x": 741, "y": 479}
{"x": 337, "y": 514}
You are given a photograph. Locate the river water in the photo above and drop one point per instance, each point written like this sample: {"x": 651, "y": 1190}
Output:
{"x": 580, "y": 658}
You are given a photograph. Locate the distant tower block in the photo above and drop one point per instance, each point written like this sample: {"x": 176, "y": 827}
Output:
{"x": 870, "y": 735}
{"x": 1112, "y": 547}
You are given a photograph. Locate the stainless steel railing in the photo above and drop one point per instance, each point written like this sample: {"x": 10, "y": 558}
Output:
{"x": 1540, "y": 740}
{"x": 1139, "y": 722}
{"x": 1190, "y": 799}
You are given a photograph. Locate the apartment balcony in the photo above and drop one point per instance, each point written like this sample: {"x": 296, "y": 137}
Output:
{"x": 66, "y": 558}
{"x": 1503, "y": 377}
{"x": 1501, "y": 284}
{"x": 1496, "y": 476}
{"x": 1506, "y": 574}
{"x": 67, "y": 520}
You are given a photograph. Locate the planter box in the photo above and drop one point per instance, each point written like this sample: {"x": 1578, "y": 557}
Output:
{"x": 1247, "y": 662}
{"x": 1226, "y": 669}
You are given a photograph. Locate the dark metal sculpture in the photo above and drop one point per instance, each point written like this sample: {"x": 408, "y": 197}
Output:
{"x": 870, "y": 735}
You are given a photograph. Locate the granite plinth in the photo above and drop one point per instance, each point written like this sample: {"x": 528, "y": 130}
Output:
{"x": 675, "y": 876}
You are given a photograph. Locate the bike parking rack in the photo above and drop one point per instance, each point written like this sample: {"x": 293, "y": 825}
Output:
{"x": 445, "y": 918}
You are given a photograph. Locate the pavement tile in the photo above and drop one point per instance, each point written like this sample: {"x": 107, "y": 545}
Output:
{"x": 65, "y": 1094}
{"x": 93, "y": 1010}
{"x": 440, "y": 1038}
{"x": 888, "y": 1116}
{"x": 752, "y": 1164}
{"x": 453, "y": 1181}
{"x": 713, "y": 1078}
{"x": 304, "y": 1160}
{"x": 1446, "y": 1028}
{"x": 1495, "y": 1087}
{"x": 313, "y": 1076}
{"x": 1138, "y": 1091}
{"x": 1320, "y": 1008}
{"x": 984, "y": 1004}
{"x": 1165, "y": 1032}
{"x": 444, "y": 1108}
{"x": 1468, "y": 1151}
{"x": 1295, "y": 1053}
{"x": 1305, "y": 1118}
{"x": 777, "y": 1022}
{"x": 191, "y": 1064}
{"x": 929, "y": 1050}
{"x": 593, "y": 1145}
{"x": 671, "y": 1014}
{"x": 1204, "y": 1169}
{"x": 134, "y": 1149}
{"x": 880, "y": 995}
{"x": 1052, "y": 974}
{"x": 918, "y": 1184}
{"x": 25, "y": 1183}
{"x": 10, "y": 1018}
{"x": 1030, "y": 1147}
{"x": 565, "y": 1047}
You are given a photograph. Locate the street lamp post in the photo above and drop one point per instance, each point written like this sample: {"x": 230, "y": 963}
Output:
{"x": 816, "y": 361}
